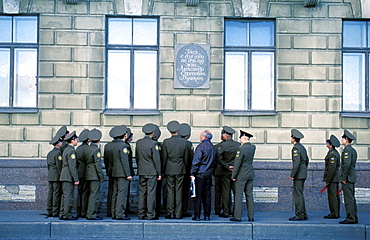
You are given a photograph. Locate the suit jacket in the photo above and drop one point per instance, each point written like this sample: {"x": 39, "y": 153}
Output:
{"x": 174, "y": 155}
{"x": 69, "y": 170}
{"x": 81, "y": 160}
{"x": 243, "y": 163}
{"x": 300, "y": 162}
{"x": 54, "y": 161}
{"x": 226, "y": 156}
{"x": 348, "y": 169}
{"x": 204, "y": 161}
{"x": 147, "y": 157}
{"x": 94, "y": 169}
{"x": 121, "y": 164}
{"x": 332, "y": 163}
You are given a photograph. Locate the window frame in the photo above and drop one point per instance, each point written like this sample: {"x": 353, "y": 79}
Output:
{"x": 12, "y": 46}
{"x": 131, "y": 48}
{"x": 250, "y": 50}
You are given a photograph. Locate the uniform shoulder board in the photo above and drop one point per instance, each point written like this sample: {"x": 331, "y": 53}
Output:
{"x": 60, "y": 158}
{"x": 125, "y": 150}
{"x": 73, "y": 156}
{"x": 237, "y": 154}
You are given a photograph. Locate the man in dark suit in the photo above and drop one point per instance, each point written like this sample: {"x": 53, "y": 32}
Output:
{"x": 348, "y": 178}
{"x": 174, "y": 155}
{"x": 83, "y": 194}
{"x": 331, "y": 176}
{"x": 298, "y": 175}
{"x": 243, "y": 175}
{"x": 149, "y": 171}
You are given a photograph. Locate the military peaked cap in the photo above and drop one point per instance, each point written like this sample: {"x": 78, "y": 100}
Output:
{"x": 157, "y": 133}
{"x": 71, "y": 136}
{"x": 348, "y": 135}
{"x": 334, "y": 141}
{"x": 297, "y": 134}
{"x": 55, "y": 140}
{"x": 95, "y": 134}
{"x": 227, "y": 130}
{"x": 149, "y": 128}
{"x": 185, "y": 130}
{"x": 62, "y": 131}
{"x": 84, "y": 135}
{"x": 173, "y": 126}
{"x": 244, "y": 133}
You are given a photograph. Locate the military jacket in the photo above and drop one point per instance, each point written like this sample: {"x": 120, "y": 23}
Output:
{"x": 54, "y": 161}
{"x": 81, "y": 160}
{"x": 332, "y": 163}
{"x": 243, "y": 163}
{"x": 300, "y": 162}
{"x": 93, "y": 163}
{"x": 174, "y": 155}
{"x": 226, "y": 156}
{"x": 349, "y": 158}
{"x": 121, "y": 165}
{"x": 108, "y": 157}
{"x": 131, "y": 163}
{"x": 147, "y": 157}
{"x": 189, "y": 145}
{"x": 69, "y": 170}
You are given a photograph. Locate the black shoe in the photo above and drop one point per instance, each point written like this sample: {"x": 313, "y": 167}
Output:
{"x": 109, "y": 215}
{"x": 207, "y": 219}
{"x": 305, "y": 217}
{"x": 95, "y": 218}
{"x": 217, "y": 212}
{"x": 196, "y": 219}
{"x": 186, "y": 215}
{"x": 155, "y": 218}
{"x": 330, "y": 217}
{"x": 70, "y": 218}
{"x": 235, "y": 219}
{"x": 178, "y": 218}
{"x": 223, "y": 216}
{"x": 123, "y": 218}
{"x": 170, "y": 217}
{"x": 141, "y": 218}
{"x": 296, "y": 219}
{"x": 61, "y": 218}
{"x": 81, "y": 215}
{"x": 250, "y": 219}
{"x": 347, "y": 222}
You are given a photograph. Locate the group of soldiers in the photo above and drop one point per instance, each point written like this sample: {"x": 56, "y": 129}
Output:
{"x": 170, "y": 167}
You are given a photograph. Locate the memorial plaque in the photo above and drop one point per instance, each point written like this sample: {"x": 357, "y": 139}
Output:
{"x": 192, "y": 64}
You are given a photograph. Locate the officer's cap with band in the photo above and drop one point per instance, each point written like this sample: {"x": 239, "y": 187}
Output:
{"x": 296, "y": 134}
{"x": 119, "y": 131}
{"x": 84, "y": 135}
{"x": 62, "y": 131}
{"x": 71, "y": 136}
{"x": 149, "y": 128}
{"x": 55, "y": 140}
{"x": 95, "y": 134}
{"x": 173, "y": 126}
{"x": 227, "y": 130}
{"x": 185, "y": 130}
{"x": 348, "y": 135}
{"x": 157, "y": 132}
{"x": 333, "y": 140}
{"x": 128, "y": 132}
{"x": 244, "y": 133}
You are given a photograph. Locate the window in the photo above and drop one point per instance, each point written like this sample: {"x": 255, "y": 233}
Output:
{"x": 356, "y": 66}
{"x": 132, "y": 65}
{"x": 18, "y": 62}
{"x": 249, "y": 67}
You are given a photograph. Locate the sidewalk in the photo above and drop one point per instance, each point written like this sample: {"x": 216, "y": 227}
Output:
{"x": 31, "y": 224}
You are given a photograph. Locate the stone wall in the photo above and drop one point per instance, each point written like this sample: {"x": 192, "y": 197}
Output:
{"x": 72, "y": 69}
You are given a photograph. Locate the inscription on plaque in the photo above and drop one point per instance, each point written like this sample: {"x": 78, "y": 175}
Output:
{"x": 192, "y": 66}
{"x": 18, "y": 193}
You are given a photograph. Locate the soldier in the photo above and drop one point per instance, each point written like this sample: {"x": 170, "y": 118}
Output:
{"x": 81, "y": 168}
{"x": 54, "y": 161}
{"x": 225, "y": 161}
{"x": 69, "y": 176}
{"x": 331, "y": 176}
{"x": 149, "y": 171}
{"x": 94, "y": 174}
{"x": 160, "y": 189}
{"x": 298, "y": 175}
{"x": 62, "y": 133}
{"x": 243, "y": 175}
{"x": 121, "y": 174}
{"x": 218, "y": 184}
{"x": 185, "y": 132}
{"x": 348, "y": 178}
{"x": 128, "y": 139}
{"x": 202, "y": 168}
{"x": 174, "y": 156}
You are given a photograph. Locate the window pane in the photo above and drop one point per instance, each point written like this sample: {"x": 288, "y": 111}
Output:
{"x": 353, "y": 82}
{"x": 262, "y": 33}
{"x": 354, "y": 34}
{"x": 25, "y": 73}
{"x": 263, "y": 81}
{"x": 25, "y": 29}
{"x": 145, "y": 82}
{"x": 236, "y": 81}
{"x": 5, "y": 29}
{"x": 118, "y": 84}
{"x": 236, "y": 33}
{"x": 120, "y": 31}
{"x": 145, "y": 31}
{"x": 4, "y": 77}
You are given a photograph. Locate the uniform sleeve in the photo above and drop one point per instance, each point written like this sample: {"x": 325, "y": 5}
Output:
{"x": 72, "y": 165}
{"x": 332, "y": 168}
{"x": 97, "y": 163}
{"x": 220, "y": 159}
{"x": 59, "y": 162}
{"x": 156, "y": 158}
{"x": 125, "y": 161}
{"x": 164, "y": 156}
{"x": 237, "y": 163}
{"x": 346, "y": 164}
{"x": 296, "y": 158}
{"x": 190, "y": 155}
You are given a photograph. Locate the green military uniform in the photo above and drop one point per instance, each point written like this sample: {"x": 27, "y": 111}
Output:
{"x": 161, "y": 188}
{"x": 174, "y": 156}
{"x": 149, "y": 169}
{"x": 218, "y": 187}
{"x": 348, "y": 174}
{"x": 226, "y": 155}
{"x": 331, "y": 177}
{"x": 61, "y": 133}
{"x": 68, "y": 177}
{"x": 299, "y": 174}
{"x": 81, "y": 168}
{"x": 130, "y": 160}
{"x": 94, "y": 174}
{"x": 54, "y": 161}
{"x": 244, "y": 174}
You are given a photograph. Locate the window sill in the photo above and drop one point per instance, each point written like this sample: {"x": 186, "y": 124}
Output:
{"x": 19, "y": 110}
{"x": 249, "y": 113}
{"x": 130, "y": 112}
{"x": 355, "y": 114}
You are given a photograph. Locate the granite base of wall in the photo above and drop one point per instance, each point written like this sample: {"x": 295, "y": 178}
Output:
{"x": 23, "y": 186}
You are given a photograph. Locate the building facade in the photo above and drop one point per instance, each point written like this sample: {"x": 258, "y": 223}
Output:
{"x": 273, "y": 65}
